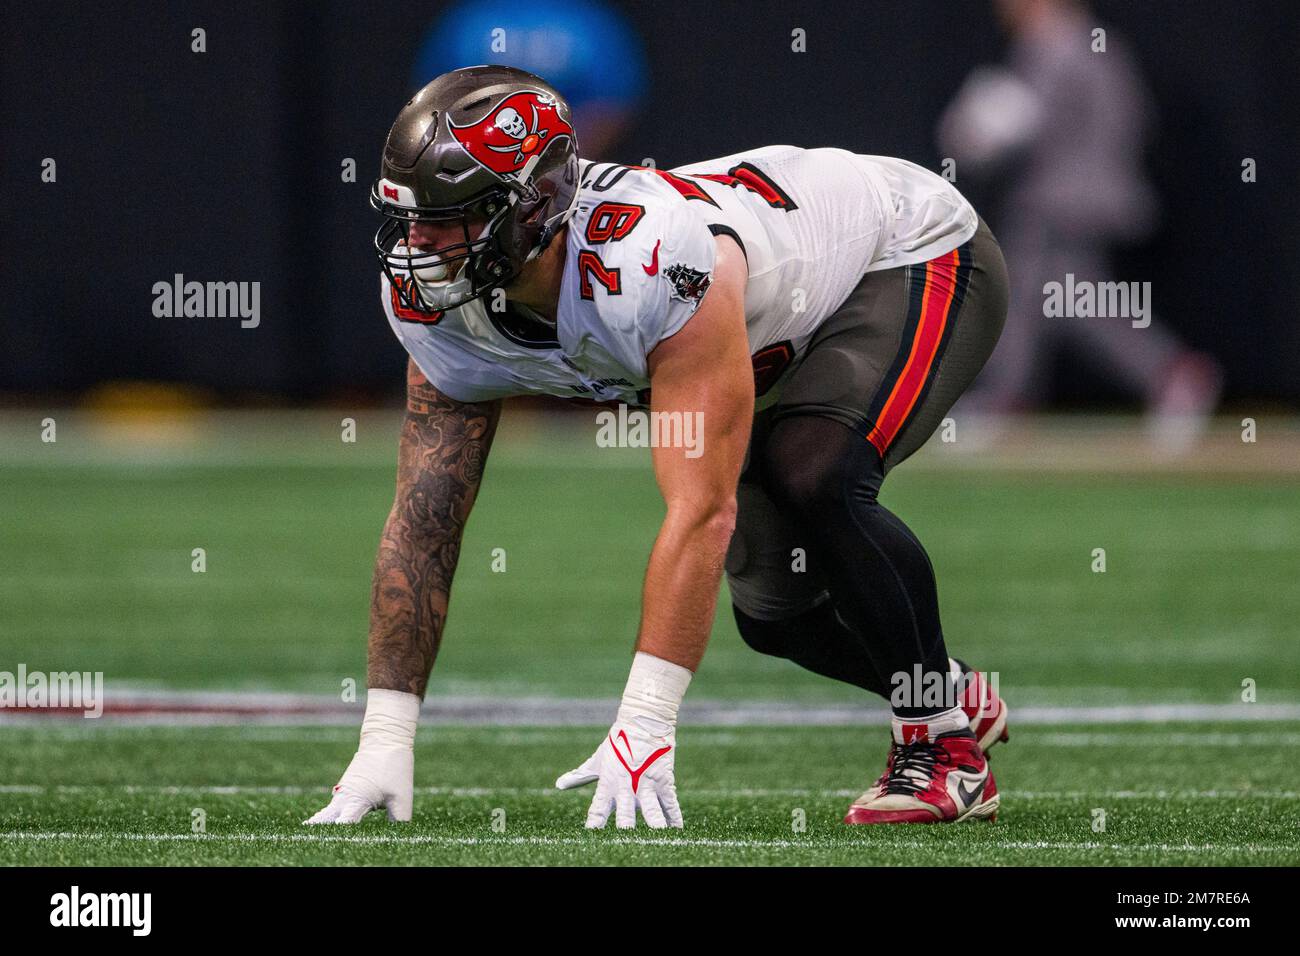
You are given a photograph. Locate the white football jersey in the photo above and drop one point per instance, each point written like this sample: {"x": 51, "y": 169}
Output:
{"x": 640, "y": 256}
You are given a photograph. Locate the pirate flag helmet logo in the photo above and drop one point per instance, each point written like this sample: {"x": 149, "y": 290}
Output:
{"x": 514, "y": 134}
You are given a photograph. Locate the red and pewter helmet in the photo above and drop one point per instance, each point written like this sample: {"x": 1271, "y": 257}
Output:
{"x": 490, "y": 149}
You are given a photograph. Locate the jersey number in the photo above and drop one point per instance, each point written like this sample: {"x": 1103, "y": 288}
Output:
{"x": 589, "y": 267}
{"x": 405, "y": 314}
{"x": 611, "y": 221}
{"x": 769, "y": 363}
{"x": 744, "y": 175}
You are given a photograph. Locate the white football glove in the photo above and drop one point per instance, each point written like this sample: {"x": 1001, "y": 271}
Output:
{"x": 633, "y": 766}
{"x": 382, "y": 774}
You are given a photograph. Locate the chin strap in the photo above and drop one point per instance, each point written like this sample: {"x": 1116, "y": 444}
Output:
{"x": 553, "y": 225}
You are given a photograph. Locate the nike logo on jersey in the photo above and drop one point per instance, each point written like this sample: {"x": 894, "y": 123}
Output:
{"x": 653, "y": 267}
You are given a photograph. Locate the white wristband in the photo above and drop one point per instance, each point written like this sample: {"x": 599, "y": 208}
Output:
{"x": 390, "y": 720}
{"x": 655, "y": 688}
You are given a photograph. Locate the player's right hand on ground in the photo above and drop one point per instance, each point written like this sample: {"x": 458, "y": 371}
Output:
{"x": 382, "y": 774}
{"x": 378, "y": 779}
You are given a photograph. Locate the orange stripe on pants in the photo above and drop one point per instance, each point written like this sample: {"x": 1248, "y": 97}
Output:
{"x": 936, "y": 302}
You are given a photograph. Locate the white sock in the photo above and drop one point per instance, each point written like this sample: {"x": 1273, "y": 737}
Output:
{"x": 910, "y": 729}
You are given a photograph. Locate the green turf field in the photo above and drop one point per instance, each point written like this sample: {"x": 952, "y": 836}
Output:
{"x": 96, "y": 535}
{"x": 1186, "y": 795}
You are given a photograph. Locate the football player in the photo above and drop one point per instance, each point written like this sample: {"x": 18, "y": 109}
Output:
{"x": 820, "y": 310}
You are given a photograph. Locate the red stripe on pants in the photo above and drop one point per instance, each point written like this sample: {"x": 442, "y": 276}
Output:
{"x": 936, "y": 303}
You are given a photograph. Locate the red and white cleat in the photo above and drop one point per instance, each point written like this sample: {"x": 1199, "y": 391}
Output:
{"x": 945, "y": 780}
{"x": 986, "y": 711}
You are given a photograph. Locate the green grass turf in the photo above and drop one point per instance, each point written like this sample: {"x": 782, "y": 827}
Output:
{"x": 95, "y": 543}
{"x": 1172, "y": 794}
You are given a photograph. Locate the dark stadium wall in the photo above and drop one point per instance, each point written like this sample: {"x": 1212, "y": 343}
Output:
{"x": 226, "y": 166}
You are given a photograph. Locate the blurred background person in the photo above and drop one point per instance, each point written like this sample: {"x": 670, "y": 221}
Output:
{"x": 1057, "y": 137}
{"x": 585, "y": 49}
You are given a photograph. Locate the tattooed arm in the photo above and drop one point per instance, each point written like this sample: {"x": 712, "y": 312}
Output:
{"x": 440, "y": 463}
{"x": 443, "y": 448}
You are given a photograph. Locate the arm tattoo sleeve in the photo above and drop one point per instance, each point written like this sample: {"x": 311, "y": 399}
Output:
{"x": 443, "y": 448}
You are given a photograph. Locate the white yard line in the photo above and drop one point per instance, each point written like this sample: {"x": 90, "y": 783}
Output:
{"x": 324, "y": 836}
{"x": 212, "y": 708}
{"x": 756, "y": 793}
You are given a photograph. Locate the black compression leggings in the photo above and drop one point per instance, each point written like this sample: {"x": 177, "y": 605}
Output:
{"x": 883, "y": 617}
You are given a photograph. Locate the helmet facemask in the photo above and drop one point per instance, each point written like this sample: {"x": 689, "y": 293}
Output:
{"x": 490, "y": 260}
{"x": 435, "y": 282}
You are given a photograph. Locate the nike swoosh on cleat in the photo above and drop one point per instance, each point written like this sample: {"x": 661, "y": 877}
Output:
{"x": 968, "y": 796}
{"x": 653, "y": 267}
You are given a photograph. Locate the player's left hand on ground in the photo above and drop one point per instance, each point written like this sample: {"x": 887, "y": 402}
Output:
{"x": 632, "y": 769}
{"x": 633, "y": 766}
